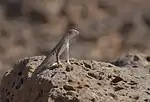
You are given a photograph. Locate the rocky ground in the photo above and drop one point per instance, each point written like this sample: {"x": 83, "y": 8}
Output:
{"x": 125, "y": 80}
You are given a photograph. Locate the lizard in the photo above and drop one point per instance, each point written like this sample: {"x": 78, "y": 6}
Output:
{"x": 59, "y": 49}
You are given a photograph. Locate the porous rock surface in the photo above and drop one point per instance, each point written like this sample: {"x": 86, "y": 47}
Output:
{"x": 82, "y": 81}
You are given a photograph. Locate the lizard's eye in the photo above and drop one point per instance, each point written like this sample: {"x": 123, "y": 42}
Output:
{"x": 73, "y": 31}
{"x": 70, "y": 31}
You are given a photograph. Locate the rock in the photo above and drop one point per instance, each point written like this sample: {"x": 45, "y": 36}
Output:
{"x": 133, "y": 60}
{"x": 82, "y": 81}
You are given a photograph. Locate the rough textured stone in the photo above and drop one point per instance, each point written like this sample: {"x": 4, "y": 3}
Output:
{"x": 133, "y": 60}
{"x": 82, "y": 81}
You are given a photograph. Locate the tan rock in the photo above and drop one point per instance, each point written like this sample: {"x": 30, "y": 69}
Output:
{"x": 83, "y": 81}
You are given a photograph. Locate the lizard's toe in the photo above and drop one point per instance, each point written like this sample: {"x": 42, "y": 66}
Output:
{"x": 57, "y": 64}
{"x": 60, "y": 65}
{"x": 68, "y": 62}
{"x": 54, "y": 64}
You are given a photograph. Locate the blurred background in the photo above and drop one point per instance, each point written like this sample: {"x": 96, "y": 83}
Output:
{"x": 108, "y": 28}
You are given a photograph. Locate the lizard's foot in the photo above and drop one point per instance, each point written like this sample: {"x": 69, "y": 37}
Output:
{"x": 58, "y": 64}
{"x": 68, "y": 62}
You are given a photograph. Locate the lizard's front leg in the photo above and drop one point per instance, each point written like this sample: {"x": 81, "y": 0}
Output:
{"x": 67, "y": 52}
{"x": 59, "y": 52}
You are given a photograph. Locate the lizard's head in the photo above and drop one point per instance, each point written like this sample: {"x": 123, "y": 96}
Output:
{"x": 72, "y": 33}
